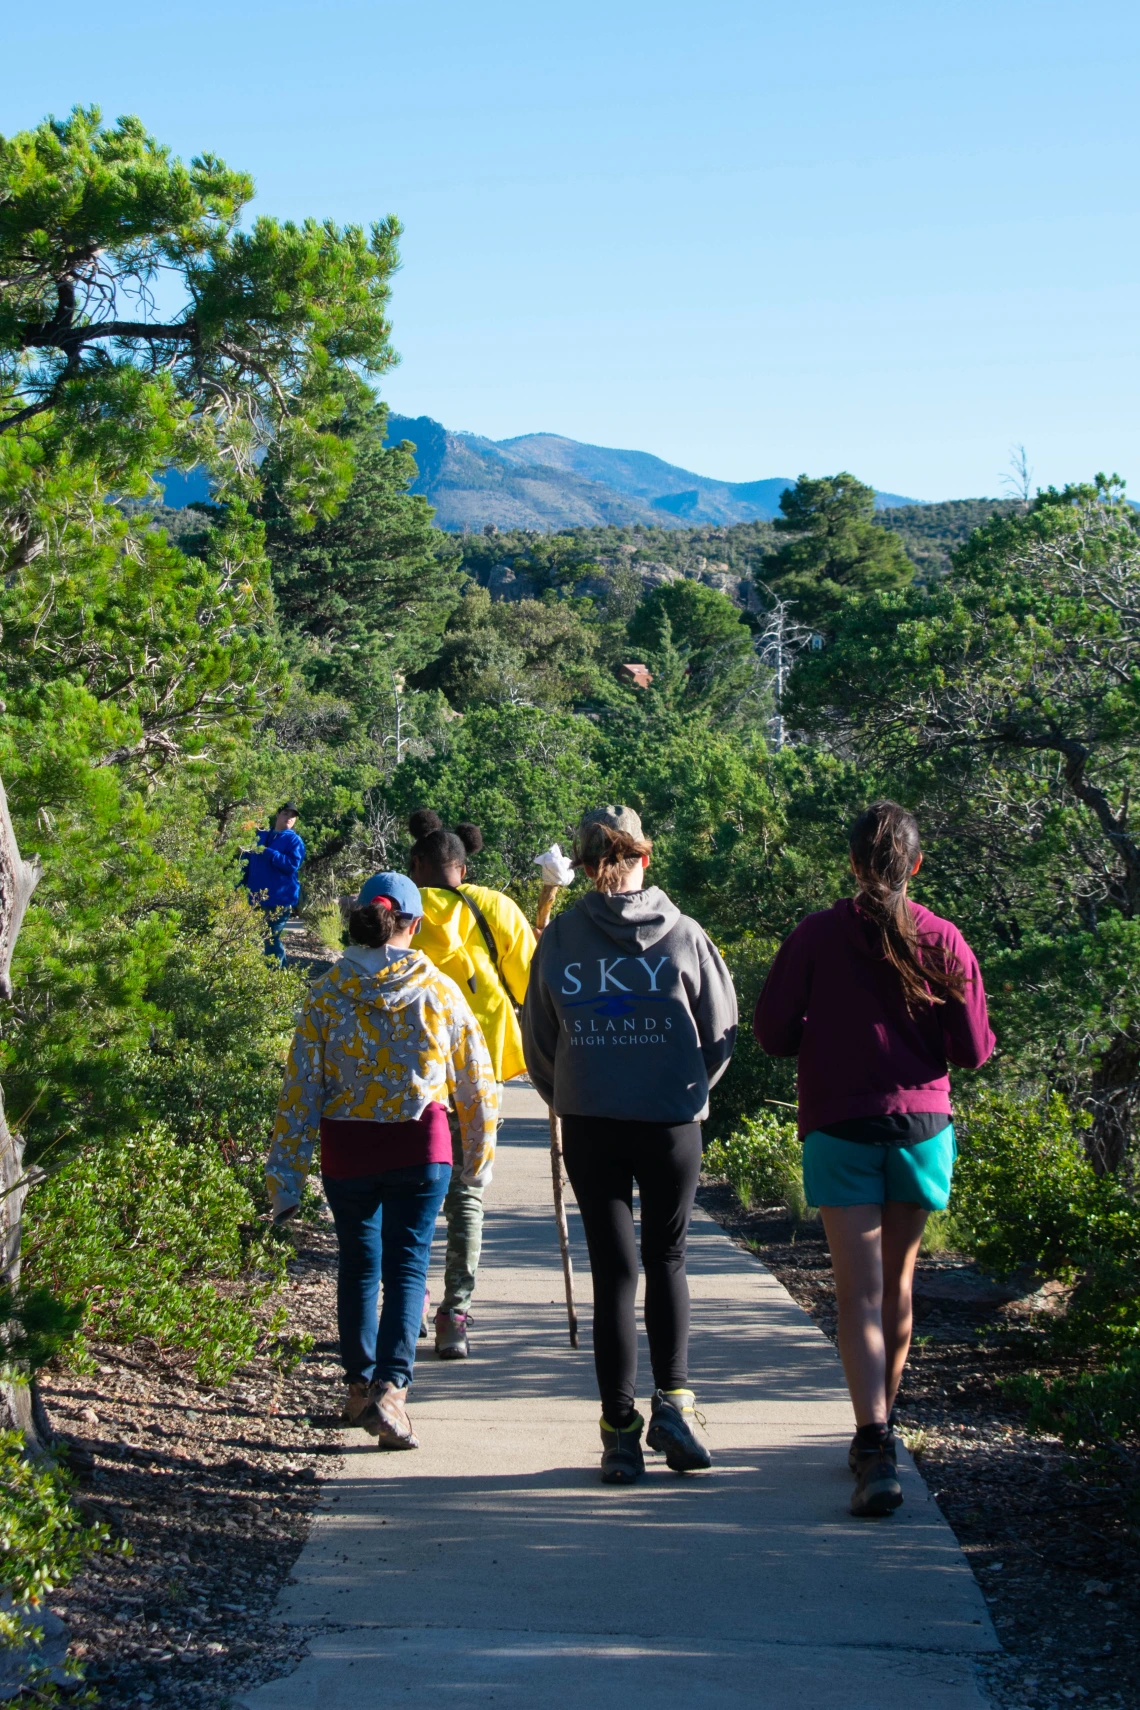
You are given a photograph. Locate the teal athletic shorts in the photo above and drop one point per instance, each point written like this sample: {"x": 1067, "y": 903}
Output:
{"x": 852, "y": 1172}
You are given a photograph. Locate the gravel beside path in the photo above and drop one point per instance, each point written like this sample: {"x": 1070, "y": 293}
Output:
{"x": 213, "y": 1488}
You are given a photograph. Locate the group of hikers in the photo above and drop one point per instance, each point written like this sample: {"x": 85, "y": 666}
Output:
{"x": 628, "y": 1019}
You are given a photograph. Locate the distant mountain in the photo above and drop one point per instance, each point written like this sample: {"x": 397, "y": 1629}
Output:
{"x": 545, "y": 481}
{"x": 663, "y": 486}
{"x": 475, "y": 485}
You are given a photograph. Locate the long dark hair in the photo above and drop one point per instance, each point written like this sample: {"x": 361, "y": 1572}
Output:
{"x": 885, "y": 845}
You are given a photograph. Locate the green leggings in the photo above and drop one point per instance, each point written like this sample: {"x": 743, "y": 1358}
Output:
{"x": 463, "y": 1210}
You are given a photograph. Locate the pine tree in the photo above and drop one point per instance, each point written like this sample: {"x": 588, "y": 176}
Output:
{"x": 362, "y": 594}
{"x": 837, "y": 550}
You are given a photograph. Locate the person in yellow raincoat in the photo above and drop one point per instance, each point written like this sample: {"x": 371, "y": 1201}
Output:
{"x": 483, "y": 941}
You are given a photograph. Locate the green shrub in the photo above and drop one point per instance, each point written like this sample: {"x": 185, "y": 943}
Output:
{"x": 44, "y": 1540}
{"x": 1025, "y": 1195}
{"x": 212, "y": 1065}
{"x": 34, "y": 1328}
{"x": 142, "y": 1231}
{"x": 1094, "y": 1408}
{"x": 760, "y": 1161}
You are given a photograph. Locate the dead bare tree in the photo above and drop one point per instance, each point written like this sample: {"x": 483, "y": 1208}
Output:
{"x": 777, "y": 646}
{"x": 18, "y": 879}
{"x": 1018, "y": 483}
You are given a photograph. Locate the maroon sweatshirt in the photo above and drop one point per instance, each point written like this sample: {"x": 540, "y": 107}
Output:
{"x": 834, "y": 1001}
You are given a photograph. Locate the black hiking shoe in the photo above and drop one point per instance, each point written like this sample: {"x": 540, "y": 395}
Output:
{"x": 622, "y": 1459}
{"x": 853, "y": 1451}
{"x": 671, "y": 1433}
{"x": 877, "y": 1487}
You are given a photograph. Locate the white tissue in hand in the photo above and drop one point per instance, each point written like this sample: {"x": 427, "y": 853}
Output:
{"x": 556, "y": 869}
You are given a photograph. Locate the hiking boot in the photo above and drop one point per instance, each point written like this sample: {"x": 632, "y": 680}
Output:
{"x": 451, "y": 1335}
{"x": 386, "y": 1417}
{"x": 853, "y": 1451}
{"x": 355, "y": 1403}
{"x": 877, "y": 1487}
{"x": 671, "y": 1430}
{"x": 622, "y": 1459}
{"x": 423, "y": 1330}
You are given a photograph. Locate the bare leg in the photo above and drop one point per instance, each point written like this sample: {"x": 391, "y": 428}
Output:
{"x": 854, "y": 1235}
{"x": 901, "y": 1238}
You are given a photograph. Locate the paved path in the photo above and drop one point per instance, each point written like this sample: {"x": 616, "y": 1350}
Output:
{"x": 492, "y": 1567}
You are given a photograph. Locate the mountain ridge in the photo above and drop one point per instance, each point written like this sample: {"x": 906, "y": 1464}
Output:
{"x": 548, "y": 482}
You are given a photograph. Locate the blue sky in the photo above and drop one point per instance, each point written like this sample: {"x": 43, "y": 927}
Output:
{"x": 754, "y": 239}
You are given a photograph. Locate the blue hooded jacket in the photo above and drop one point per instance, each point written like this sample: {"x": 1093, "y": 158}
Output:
{"x": 271, "y": 871}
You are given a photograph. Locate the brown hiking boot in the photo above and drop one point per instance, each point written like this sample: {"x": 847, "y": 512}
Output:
{"x": 355, "y": 1403}
{"x": 386, "y": 1417}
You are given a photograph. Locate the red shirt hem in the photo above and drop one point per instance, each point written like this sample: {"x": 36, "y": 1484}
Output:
{"x": 368, "y": 1148}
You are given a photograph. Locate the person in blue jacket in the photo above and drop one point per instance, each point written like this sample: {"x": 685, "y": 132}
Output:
{"x": 271, "y": 876}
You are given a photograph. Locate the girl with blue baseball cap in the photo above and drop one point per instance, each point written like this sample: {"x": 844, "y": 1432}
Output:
{"x": 385, "y": 1039}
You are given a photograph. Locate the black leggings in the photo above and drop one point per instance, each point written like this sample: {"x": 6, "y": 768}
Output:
{"x": 604, "y": 1157}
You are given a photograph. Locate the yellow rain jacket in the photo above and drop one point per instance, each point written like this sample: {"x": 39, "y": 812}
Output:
{"x": 452, "y": 938}
{"x": 379, "y": 1043}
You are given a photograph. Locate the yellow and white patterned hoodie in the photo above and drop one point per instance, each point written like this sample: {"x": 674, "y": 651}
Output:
{"x": 379, "y": 1044}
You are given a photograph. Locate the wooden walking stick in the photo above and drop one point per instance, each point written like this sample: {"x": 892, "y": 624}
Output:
{"x": 541, "y": 917}
{"x": 563, "y": 1230}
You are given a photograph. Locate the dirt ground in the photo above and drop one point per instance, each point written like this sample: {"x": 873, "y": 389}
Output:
{"x": 214, "y": 1489}
{"x": 1054, "y": 1538}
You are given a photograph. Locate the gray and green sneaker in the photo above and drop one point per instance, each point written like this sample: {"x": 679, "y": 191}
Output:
{"x": 622, "y": 1459}
{"x": 671, "y": 1431}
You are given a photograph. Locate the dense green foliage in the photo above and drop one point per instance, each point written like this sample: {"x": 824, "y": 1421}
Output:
{"x": 760, "y": 1161}
{"x": 1093, "y": 1408}
{"x": 835, "y": 550}
{"x": 43, "y": 1540}
{"x": 929, "y": 533}
{"x": 361, "y": 595}
{"x": 273, "y": 325}
{"x": 142, "y": 1231}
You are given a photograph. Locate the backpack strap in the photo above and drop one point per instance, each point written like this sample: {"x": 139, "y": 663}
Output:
{"x": 488, "y": 936}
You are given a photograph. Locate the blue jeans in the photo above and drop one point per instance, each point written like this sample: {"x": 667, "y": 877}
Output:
{"x": 384, "y": 1225}
{"x": 275, "y": 919}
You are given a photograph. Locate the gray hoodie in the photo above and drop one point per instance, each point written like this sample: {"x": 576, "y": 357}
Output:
{"x": 630, "y": 1011}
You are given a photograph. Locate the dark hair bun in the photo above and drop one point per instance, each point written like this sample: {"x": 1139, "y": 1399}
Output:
{"x": 470, "y": 836}
{"x": 423, "y": 822}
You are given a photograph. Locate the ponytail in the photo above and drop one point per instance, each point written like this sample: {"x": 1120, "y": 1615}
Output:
{"x": 611, "y": 854}
{"x": 885, "y": 847}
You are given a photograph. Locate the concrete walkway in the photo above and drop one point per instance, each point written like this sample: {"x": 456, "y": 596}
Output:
{"x": 492, "y": 1567}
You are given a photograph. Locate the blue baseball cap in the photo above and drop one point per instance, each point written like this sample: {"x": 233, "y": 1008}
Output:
{"x": 398, "y": 888}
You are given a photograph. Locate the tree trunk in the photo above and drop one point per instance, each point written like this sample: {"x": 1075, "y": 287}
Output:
{"x": 1115, "y": 1098}
{"x": 19, "y": 1406}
